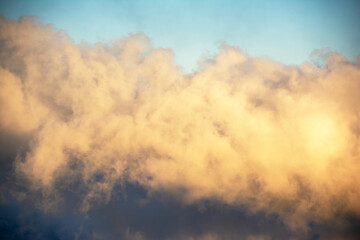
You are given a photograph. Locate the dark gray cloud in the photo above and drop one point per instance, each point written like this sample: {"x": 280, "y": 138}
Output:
{"x": 132, "y": 214}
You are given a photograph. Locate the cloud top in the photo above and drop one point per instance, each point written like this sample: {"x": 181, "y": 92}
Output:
{"x": 241, "y": 131}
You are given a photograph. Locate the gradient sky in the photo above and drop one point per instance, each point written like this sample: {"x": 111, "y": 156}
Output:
{"x": 285, "y": 31}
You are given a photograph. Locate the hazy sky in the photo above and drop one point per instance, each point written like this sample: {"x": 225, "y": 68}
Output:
{"x": 286, "y": 31}
{"x": 111, "y": 129}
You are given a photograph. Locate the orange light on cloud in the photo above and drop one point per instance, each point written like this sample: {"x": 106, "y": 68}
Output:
{"x": 241, "y": 131}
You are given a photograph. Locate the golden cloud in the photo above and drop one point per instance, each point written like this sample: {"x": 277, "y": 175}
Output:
{"x": 241, "y": 131}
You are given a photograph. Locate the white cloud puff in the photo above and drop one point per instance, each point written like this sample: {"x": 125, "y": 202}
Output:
{"x": 241, "y": 131}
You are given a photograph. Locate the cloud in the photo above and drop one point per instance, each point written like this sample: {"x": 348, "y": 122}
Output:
{"x": 241, "y": 131}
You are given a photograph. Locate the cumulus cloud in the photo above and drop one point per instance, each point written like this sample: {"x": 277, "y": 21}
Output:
{"x": 241, "y": 131}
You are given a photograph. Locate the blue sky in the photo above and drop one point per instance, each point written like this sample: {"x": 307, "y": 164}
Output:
{"x": 285, "y": 31}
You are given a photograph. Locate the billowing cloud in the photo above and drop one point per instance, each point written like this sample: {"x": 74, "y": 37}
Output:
{"x": 241, "y": 131}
